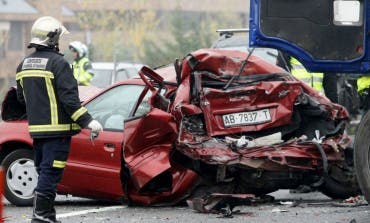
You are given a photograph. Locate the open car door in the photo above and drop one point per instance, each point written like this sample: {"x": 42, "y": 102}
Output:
{"x": 325, "y": 35}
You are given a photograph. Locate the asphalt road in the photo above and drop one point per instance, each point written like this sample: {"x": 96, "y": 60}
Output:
{"x": 312, "y": 208}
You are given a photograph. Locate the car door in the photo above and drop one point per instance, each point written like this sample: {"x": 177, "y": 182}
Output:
{"x": 93, "y": 167}
{"x": 325, "y": 35}
{"x": 150, "y": 133}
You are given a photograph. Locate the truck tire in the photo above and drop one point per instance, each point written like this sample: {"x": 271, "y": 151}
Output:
{"x": 362, "y": 155}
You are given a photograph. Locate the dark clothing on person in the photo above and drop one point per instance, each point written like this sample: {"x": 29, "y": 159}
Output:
{"x": 45, "y": 83}
{"x": 50, "y": 158}
{"x": 330, "y": 85}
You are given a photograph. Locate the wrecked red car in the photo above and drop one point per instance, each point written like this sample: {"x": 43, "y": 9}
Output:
{"x": 217, "y": 122}
{"x": 242, "y": 125}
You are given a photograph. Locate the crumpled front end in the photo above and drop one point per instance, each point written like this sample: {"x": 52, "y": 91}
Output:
{"x": 264, "y": 128}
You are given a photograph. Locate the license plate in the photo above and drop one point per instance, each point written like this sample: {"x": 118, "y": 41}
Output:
{"x": 247, "y": 118}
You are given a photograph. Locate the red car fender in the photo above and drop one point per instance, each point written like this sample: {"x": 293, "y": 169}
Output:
{"x": 20, "y": 135}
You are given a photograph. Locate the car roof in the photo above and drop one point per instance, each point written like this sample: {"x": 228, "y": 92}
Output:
{"x": 232, "y": 38}
{"x": 238, "y": 39}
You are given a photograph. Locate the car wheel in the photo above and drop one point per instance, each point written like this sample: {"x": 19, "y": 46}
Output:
{"x": 362, "y": 155}
{"x": 337, "y": 190}
{"x": 341, "y": 182}
{"x": 20, "y": 177}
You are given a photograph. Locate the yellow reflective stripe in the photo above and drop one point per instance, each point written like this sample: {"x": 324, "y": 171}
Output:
{"x": 21, "y": 82}
{"x": 52, "y": 101}
{"x": 317, "y": 79}
{"x": 49, "y": 87}
{"x": 75, "y": 126}
{"x": 59, "y": 164}
{"x": 318, "y": 86}
{"x": 306, "y": 80}
{"x": 34, "y": 73}
{"x": 40, "y": 32}
{"x": 296, "y": 64}
{"x": 312, "y": 79}
{"x": 53, "y": 128}
{"x": 77, "y": 114}
{"x": 298, "y": 67}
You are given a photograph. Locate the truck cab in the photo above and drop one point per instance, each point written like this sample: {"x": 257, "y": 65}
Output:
{"x": 325, "y": 36}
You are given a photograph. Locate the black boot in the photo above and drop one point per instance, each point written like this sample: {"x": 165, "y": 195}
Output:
{"x": 43, "y": 209}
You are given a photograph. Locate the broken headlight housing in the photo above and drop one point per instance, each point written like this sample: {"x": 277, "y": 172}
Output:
{"x": 194, "y": 124}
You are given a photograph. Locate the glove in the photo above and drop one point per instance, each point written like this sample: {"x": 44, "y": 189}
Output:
{"x": 95, "y": 126}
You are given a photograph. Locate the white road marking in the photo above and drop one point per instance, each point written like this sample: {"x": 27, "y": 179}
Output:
{"x": 96, "y": 210}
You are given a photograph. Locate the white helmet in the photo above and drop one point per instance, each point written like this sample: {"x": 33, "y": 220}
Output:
{"x": 85, "y": 49}
{"x": 78, "y": 47}
{"x": 46, "y": 31}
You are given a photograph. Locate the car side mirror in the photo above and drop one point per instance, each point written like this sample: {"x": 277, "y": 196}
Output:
{"x": 151, "y": 75}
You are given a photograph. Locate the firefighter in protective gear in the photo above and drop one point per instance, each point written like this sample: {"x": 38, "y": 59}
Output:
{"x": 45, "y": 84}
{"x": 81, "y": 64}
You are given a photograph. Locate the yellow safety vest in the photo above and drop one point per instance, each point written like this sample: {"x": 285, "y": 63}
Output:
{"x": 312, "y": 79}
{"x": 363, "y": 83}
{"x": 82, "y": 76}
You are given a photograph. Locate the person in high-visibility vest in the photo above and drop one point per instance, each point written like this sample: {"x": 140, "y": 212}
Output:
{"x": 311, "y": 79}
{"x": 81, "y": 64}
{"x": 325, "y": 83}
{"x": 363, "y": 88}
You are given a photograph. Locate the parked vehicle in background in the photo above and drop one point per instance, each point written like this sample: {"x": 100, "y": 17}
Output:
{"x": 238, "y": 39}
{"x": 108, "y": 73}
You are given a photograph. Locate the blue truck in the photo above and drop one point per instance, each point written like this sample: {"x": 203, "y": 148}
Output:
{"x": 325, "y": 36}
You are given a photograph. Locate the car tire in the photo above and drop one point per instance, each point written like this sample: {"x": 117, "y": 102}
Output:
{"x": 20, "y": 177}
{"x": 362, "y": 155}
{"x": 337, "y": 190}
{"x": 341, "y": 182}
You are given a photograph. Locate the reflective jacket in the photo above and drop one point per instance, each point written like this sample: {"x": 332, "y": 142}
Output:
{"x": 312, "y": 79}
{"x": 80, "y": 71}
{"x": 363, "y": 83}
{"x": 45, "y": 84}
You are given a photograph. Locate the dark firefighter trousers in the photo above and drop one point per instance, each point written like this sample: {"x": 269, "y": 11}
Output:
{"x": 50, "y": 159}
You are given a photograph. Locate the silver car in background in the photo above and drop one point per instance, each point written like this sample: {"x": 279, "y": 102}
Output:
{"x": 238, "y": 39}
{"x": 108, "y": 73}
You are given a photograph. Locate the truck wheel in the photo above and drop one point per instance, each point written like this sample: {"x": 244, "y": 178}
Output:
{"x": 20, "y": 177}
{"x": 362, "y": 155}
